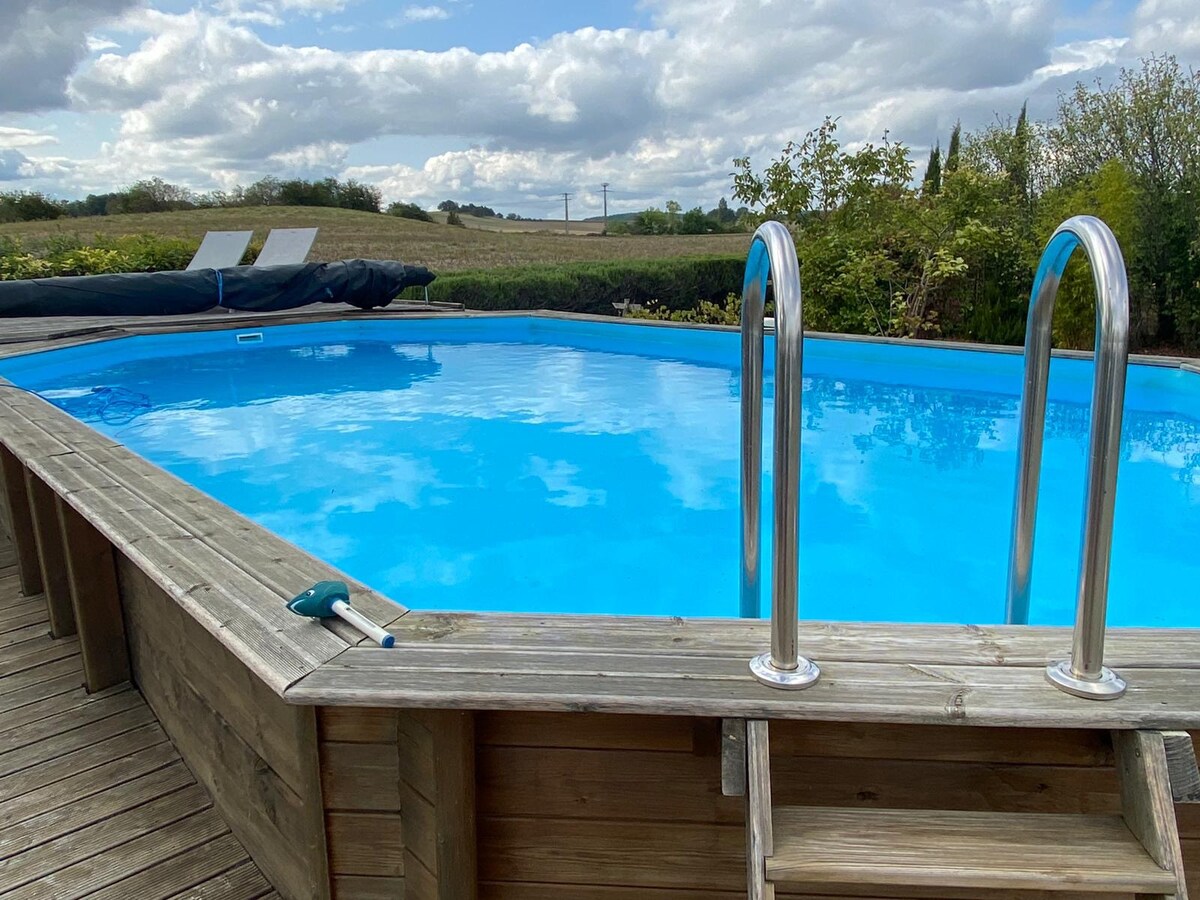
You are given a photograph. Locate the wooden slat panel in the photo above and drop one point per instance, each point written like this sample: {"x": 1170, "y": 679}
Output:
{"x": 93, "y": 873}
{"x": 860, "y": 740}
{"x": 34, "y": 653}
{"x": 92, "y": 575}
{"x": 83, "y": 845}
{"x": 77, "y": 739}
{"x": 556, "y": 783}
{"x": 52, "y": 561}
{"x": 947, "y": 645}
{"x": 239, "y": 883}
{"x": 358, "y": 887}
{"x": 162, "y": 635}
{"x": 961, "y": 849}
{"x": 591, "y": 731}
{"x": 178, "y": 873}
{"x": 21, "y": 680}
{"x": 589, "y": 852}
{"x": 35, "y": 693}
{"x": 105, "y": 705}
{"x": 365, "y": 844}
{"x": 849, "y": 691}
{"x": 272, "y": 819}
{"x": 24, "y": 538}
{"x": 72, "y": 697}
{"x": 357, "y": 725}
{"x": 82, "y": 785}
{"x": 360, "y": 777}
{"x": 66, "y": 819}
{"x": 89, "y": 757}
{"x": 437, "y": 801}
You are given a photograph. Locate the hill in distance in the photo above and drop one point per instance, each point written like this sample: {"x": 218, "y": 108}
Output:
{"x": 347, "y": 234}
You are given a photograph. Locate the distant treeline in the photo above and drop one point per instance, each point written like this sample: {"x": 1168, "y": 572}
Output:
{"x": 156, "y": 195}
{"x": 673, "y": 220}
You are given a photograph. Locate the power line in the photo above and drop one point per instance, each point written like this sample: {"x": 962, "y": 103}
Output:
{"x": 566, "y": 213}
{"x": 604, "y": 187}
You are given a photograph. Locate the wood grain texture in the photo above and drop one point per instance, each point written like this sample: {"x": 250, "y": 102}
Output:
{"x": 961, "y": 849}
{"x": 95, "y": 599}
{"x": 1181, "y": 766}
{"x": 1147, "y": 805}
{"x": 437, "y": 755}
{"x": 255, "y": 755}
{"x": 23, "y": 536}
{"x": 52, "y": 560}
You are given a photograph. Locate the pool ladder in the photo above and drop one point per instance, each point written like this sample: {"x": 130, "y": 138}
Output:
{"x": 773, "y": 254}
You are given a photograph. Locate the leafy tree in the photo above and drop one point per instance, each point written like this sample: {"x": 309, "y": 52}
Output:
{"x": 264, "y": 192}
{"x": 694, "y": 221}
{"x": 156, "y": 195}
{"x": 723, "y": 215}
{"x": 29, "y": 206}
{"x": 1149, "y": 121}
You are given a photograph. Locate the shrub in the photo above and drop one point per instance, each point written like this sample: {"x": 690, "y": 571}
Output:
{"x": 670, "y": 284}
{"x": 409, "y": 211}
{"x": 66, "y": 255}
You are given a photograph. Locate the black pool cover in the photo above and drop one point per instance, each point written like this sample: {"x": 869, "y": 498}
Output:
{"x": 364, "y": 283}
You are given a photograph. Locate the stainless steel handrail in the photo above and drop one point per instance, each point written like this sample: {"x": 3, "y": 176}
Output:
{"x": 773, "y": 253}
{"x": 1084, "y": 674}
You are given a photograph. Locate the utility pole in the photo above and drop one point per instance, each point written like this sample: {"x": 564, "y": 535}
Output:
{"x": 604, "y": 187}
{"x": 566, "y": 214}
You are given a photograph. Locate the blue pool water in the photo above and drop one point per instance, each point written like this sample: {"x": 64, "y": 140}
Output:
{"x": 533, "y": 465}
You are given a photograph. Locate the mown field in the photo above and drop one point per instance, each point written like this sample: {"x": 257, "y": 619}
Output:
{"x": 346, "y": 234}
{"x": 510, "y": 226}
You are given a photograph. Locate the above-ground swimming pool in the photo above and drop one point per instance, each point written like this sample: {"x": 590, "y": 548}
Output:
{"x": 546, "y": 465}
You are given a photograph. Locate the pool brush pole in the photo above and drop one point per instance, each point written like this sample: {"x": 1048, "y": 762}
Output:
{"x": 348, "y": 613}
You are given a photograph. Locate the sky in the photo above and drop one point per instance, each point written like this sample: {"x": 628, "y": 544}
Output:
{"x": 510, "y": 103}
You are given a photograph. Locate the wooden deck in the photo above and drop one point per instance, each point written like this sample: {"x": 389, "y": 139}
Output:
{"x": 94, "y": 800}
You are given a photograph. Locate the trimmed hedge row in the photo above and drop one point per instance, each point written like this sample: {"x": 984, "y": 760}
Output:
{"x": 594, "y": 287}
{"x": 67, "y": 255}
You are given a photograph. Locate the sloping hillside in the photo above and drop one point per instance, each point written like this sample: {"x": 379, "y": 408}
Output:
{"x": 347, "y": 234}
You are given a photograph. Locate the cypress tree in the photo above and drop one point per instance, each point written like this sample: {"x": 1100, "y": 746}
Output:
{"x": 932, "y": 185}
{"x": 1018, "y": 164}
{"x": 952, "y": 152}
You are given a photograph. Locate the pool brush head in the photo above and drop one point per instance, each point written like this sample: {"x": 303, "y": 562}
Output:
{"x": 318, "y": 600}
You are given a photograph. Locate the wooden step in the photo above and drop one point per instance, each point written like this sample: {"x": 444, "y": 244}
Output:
{"x": 1015, "y": 851}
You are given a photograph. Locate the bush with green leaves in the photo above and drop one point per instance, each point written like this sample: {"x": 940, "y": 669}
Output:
{"x": 670, "y": 284}
{"x": 63, "y": 255}
{"x": 409, "y": 211}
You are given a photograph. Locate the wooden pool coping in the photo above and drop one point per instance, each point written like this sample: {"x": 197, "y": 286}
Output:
{"x": 233, "y": 577}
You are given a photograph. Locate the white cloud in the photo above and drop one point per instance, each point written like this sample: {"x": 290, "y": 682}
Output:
{"x": 95, "y": 44}
{"x": 1167, "y": 26}
{"x": 424, "y": 13}
{"x": 11, "y": 138}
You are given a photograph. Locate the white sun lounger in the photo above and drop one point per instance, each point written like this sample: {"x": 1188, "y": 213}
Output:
{"x": 220, "y": 250}
{"x": 286, "y": 246}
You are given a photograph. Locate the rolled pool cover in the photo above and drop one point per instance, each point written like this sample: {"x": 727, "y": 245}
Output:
{"x": 365, "y": 283}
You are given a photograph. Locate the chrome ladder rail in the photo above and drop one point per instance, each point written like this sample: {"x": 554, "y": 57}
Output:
{"x": 773, "y": 253}
{"x": 1084, "y": 674}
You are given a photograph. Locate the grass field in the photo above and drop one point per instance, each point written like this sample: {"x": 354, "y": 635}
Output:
{"x": 516, "y": 226}
{"x": 346, "y": 235}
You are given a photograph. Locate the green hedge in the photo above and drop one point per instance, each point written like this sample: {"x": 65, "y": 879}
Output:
{"x": 594, "y": 287}
{"x": 65, "y": 255}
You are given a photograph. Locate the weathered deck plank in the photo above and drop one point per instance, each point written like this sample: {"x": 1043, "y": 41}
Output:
{"x": 94, "y": 801}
